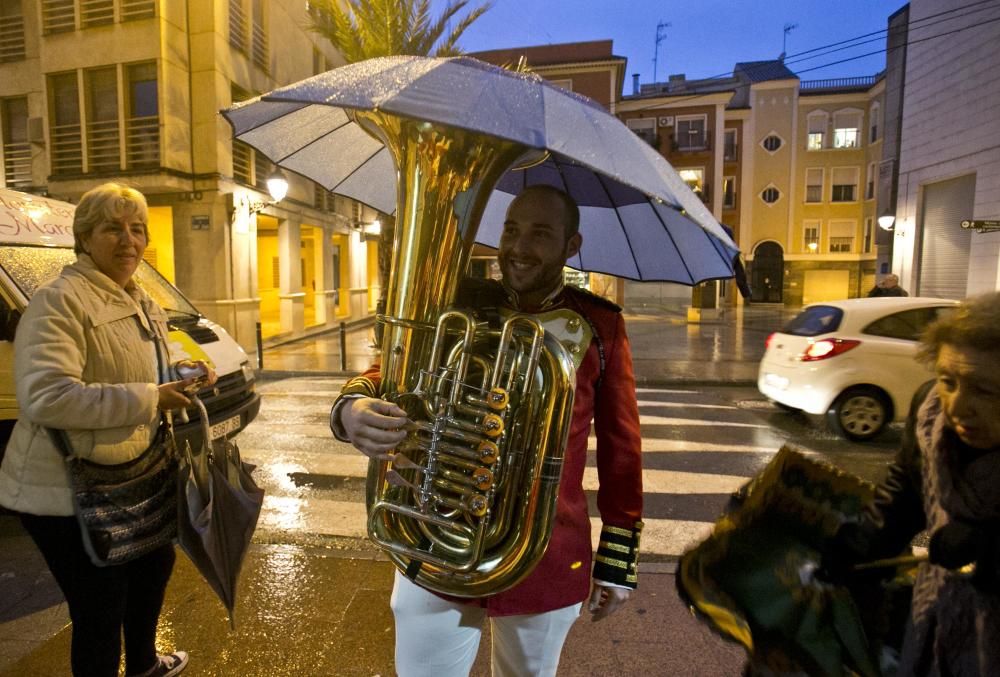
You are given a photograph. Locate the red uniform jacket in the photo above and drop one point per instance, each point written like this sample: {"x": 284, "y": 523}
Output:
{"x": 562, "y": 577}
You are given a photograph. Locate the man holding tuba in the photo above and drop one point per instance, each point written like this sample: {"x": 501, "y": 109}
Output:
{"x": 438, "y": 635}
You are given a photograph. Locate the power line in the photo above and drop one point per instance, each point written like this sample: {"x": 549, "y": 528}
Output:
{"x": 857, "y": 42}
{"x": 909, "y": 42}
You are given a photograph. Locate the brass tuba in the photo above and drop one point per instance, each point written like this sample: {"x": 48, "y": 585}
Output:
{"x": 466, "y": 505}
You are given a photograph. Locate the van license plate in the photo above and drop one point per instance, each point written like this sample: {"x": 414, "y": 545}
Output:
{"x": 230, "y": 425}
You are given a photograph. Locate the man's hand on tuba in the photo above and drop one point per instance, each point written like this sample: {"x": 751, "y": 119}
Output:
{"x": 374, "y": 426}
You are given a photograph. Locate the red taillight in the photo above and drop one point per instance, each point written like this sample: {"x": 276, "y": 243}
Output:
{"x": 821, "y": 350}
{"x": 769, "y": 340}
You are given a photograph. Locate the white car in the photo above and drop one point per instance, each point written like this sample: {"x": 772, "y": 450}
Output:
{"x": 852, "y": 360}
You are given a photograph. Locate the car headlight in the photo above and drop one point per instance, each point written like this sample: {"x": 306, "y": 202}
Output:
{"x": 247, "y": 372}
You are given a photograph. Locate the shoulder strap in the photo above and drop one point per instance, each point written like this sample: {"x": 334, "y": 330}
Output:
{"x": 60, "y": 440}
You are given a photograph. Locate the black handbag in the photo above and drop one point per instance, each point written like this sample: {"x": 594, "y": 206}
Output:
{"x": 125, "y": 510}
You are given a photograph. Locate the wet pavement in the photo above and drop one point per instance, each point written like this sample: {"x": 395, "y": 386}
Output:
{"x": 666, "y": 347}
{"x": 307, "y": 610}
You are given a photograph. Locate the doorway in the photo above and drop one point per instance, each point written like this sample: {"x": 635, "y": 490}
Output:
{"x": 767, "y": 274}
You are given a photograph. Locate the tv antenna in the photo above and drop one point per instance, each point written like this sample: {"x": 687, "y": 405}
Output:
{"x": 784, "y": 38}
{"x": 661, "y": 34}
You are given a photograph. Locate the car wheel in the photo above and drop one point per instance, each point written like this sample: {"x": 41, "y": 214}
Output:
{"x": 859, "y": 413}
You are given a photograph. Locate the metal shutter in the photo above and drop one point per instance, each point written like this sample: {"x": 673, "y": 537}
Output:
{"x": 944, "y": 254}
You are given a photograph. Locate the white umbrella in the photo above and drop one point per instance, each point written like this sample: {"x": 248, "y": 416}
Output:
{"x": 639, "y": 219}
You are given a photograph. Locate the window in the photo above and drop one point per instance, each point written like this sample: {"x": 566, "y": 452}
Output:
{"x": 869, "y": 232}
{"x": 58, "y": 16}
{"x": 103, "y": 141}
{"x": 237, "y": 26}
{"x": 695, "y": 180}
{"x": 97, "y": 13}
{"x": 11, "y": 31}
{"x": 870, "y": 182}
{"x": 142, "y": 127}
{"x": 259, "y": 37}
{"x": 845, "y": 184}
{"x": 770, "y": 195}
{"x": 689, "y": 134}
{"x": 132, "y": 10}
{"x": 873, "y": 122}
{"x": 64, "y": 124}
{"x": 566, "y": 84}
{"x": 810, "y": 236}
{"x": 817, "y": 131}
{"x": 645, "y": 128}
{"x": 771, "y": 143}
{"x": 16, "y": 147}
{"x": 841, "y": 237}
{"x": 908, "y": 324}
{"x": 729, "y": 145}
{"x": 846, "y": 129}
{"x": 814, "y": 184}
{"x": 729, "y": 192}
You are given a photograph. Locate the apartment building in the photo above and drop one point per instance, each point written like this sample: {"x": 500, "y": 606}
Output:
{"x": 789, "y": 165}
{"x": 946, "y": 226}
{"x": 130, "y": 90}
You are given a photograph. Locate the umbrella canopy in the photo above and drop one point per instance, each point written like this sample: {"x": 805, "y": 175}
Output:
{"x": 639, "y": 219}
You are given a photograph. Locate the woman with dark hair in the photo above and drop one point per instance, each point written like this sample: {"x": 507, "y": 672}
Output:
{"x": 92, "y": 360}
{"x": 946, "y": 479}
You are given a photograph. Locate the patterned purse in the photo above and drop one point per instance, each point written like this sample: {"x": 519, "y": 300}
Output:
{"x": 125, "y": 510}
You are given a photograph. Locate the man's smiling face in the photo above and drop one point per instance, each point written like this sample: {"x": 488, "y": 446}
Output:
{"x": 534, "y": 245}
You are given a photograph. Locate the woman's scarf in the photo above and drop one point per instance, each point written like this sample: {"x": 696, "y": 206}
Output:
{"x": 955, "y": 624}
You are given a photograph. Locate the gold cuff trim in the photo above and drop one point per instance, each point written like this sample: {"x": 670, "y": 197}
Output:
{"x": 616, "y": 563}
{"x": 617, "y": 547}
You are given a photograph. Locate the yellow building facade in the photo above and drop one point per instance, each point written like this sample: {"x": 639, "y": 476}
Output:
{"x": 790, "y": 166}
{"x": 130, "y": 90}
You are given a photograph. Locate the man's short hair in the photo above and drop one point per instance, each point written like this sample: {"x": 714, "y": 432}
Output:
{"x": 975, "y": 324}
{"x": 569, "y": 204}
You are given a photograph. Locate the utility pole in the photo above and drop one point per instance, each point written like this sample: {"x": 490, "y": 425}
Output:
{"x": 661, "y": 34}
{"x": 784, "y": 38}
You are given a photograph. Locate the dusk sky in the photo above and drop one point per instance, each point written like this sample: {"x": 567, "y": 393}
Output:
{"x": 705, "y": 38}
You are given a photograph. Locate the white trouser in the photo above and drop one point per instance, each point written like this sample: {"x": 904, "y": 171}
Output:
{"x": 439, "y": 638}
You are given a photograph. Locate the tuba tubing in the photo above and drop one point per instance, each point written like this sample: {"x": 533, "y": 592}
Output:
{"x": 467, "y": 506}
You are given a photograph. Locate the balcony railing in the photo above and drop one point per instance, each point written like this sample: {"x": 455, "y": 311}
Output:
{"x": 259, "y": 47}
{"x": 142, "y": 146}
{"x": 242, "y": 160}
{"x": 133, "y": 10}
{"x": 12, "y": 38}
{"x": 96, "y": 12}
{"x": 839, "y": 83}
{"x": 17, "y": 164}
{"x": 262, "y": 168}
{"x": 103, "y": 146}
{"x": 58, "y": 16}
{"x": 237, "y": 26}
{"x": 67, "y": 149}
{"x": 693, "y": 145}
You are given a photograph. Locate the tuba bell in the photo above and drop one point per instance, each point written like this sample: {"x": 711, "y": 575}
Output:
{"x": 465, "y": 506}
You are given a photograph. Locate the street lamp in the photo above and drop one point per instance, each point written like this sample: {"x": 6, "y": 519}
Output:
{"x": 277, "y": 186}
{"x": 886, "y": 221}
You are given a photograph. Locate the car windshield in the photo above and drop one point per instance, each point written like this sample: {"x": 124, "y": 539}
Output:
{"x": 30, "y": 267}
{"x": 814, "y": 321}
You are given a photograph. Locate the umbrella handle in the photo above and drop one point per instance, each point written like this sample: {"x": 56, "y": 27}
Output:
{"x": 902, "y": 560}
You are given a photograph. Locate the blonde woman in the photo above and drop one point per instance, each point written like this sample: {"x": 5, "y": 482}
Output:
{"x": 91, "y": 359}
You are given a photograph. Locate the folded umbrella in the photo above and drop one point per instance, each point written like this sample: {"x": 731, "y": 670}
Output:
{"x": 218, "y": 507}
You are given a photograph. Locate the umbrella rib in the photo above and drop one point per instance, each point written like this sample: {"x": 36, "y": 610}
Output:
{"x": 628, "y": 240}
{"x": 673, "y": 240}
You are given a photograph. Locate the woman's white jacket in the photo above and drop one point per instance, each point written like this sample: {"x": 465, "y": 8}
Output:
{"x": 85, "y": 358}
